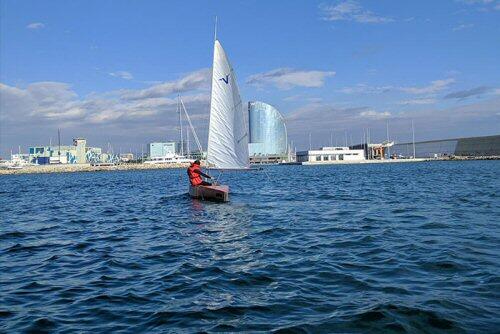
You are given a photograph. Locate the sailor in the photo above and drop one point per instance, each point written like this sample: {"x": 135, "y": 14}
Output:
{"x": 195, "y": 174}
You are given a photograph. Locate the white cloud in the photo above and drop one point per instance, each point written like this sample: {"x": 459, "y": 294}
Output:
{"x": 287, "y": 78}
{"x": 196, "y": 80}
{"x": 293, "y": 98}
{"x": 481, "y": 2}
{"x": 434, "y": 87}
{"x": 418, "y": 101}
{"x": 35, "y": 26}
{"x": 122, "y": 74}
{"x": 351, "y": 10}
{"x": 56, "y": 101}
{"x": 372, "y": 114}
{"x": 365, "y": 89}
{"x": 484, "y": 5}
{"x": 472, "y": 92}
{"x": 431, "y": 122}
{"x": 463, "y": 27}
{"x": 30, "y": 115}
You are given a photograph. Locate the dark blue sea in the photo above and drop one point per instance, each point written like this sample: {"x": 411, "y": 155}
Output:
{"x": 383, "y": 248}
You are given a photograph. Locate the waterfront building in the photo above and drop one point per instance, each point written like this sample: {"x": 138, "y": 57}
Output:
{"x": 267, "y": 133}
{"x": 378, "y": 151}
{"x": 126, "y": 157}
{"x": 168, "y": 152}
{"x": 80, "y": 145}
{"x": 161, "y": 149}
{"x": 78, "y": 153}
{"x": 486, "y": 146}
{"x": 330, "y": 155}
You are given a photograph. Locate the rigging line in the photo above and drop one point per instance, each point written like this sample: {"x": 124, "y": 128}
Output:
{"x": 246, "y": 134}
{"x": 192, "y": 127}
{"x": 218, "y": 176}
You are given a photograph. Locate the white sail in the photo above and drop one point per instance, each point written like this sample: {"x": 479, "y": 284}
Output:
{"x": 228, "y": 132}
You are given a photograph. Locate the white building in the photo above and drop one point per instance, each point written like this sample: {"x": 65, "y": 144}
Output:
{"x": 330, "y": 155}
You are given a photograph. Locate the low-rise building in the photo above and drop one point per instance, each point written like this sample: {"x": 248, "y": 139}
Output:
{"x": 377, "y": 151}
{"x": 164, "y": 149}
{"x": 78, "y": 153}
{"x": 126, "y": 157}
{"x": 330, "y": 155}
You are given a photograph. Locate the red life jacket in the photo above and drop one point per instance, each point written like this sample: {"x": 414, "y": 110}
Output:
{"x": 194, "y": 175}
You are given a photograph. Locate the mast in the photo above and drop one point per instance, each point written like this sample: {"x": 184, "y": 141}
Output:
{"x": 388, "y": 147}
{"x": 211, "y": 90}
{"x": 188, "y": 153}
{"x": 368, "y": 143}
{"x": 180, "y": 124}
{"x": 59, "y": 143}
{"x": 215, "y": 30}
{"x": 413, "y": 138}
{"x": 365, "y": 142}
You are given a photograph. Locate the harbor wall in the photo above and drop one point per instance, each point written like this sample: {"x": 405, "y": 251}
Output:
{"x": 487, "y": 146}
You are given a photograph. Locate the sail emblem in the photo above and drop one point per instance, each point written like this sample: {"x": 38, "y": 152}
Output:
{"x": 226, "y": 79}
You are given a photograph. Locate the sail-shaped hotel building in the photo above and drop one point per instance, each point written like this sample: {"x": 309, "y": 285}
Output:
{"x": 268, "y": 135}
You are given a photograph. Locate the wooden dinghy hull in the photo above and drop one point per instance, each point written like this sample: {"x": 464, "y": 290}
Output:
{"x": 210, "y": 193}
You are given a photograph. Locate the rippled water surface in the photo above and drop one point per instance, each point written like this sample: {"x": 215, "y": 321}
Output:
{"x": 355, "y": 248}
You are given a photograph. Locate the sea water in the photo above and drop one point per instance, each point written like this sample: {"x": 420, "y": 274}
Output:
{"x": 350, "y": 248}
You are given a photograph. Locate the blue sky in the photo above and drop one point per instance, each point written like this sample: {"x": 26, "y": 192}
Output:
{"x": 110, "y": 70}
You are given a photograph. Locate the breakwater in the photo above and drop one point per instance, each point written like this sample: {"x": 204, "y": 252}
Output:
{"x": 72, "y": 168}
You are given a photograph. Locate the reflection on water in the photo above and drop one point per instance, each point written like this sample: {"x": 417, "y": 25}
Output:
{"x": 360, "y": 248}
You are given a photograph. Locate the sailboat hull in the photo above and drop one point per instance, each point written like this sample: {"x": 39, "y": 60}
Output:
{"x": 210, "y": 193}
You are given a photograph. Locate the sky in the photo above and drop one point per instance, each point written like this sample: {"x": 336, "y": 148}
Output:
{"x": 110, "y": 71}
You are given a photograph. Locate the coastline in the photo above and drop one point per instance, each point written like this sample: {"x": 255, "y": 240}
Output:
{"x": 73, "y": 168}
{"x": 391, "y": 161}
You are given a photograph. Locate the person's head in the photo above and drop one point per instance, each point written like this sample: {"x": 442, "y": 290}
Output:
{"x": 196, "y": 162}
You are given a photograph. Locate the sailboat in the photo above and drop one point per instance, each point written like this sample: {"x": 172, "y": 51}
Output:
{"x": 228, "y": 132}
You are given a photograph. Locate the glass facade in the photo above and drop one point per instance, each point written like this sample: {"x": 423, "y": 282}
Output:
{"x": 267, "y": 130}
